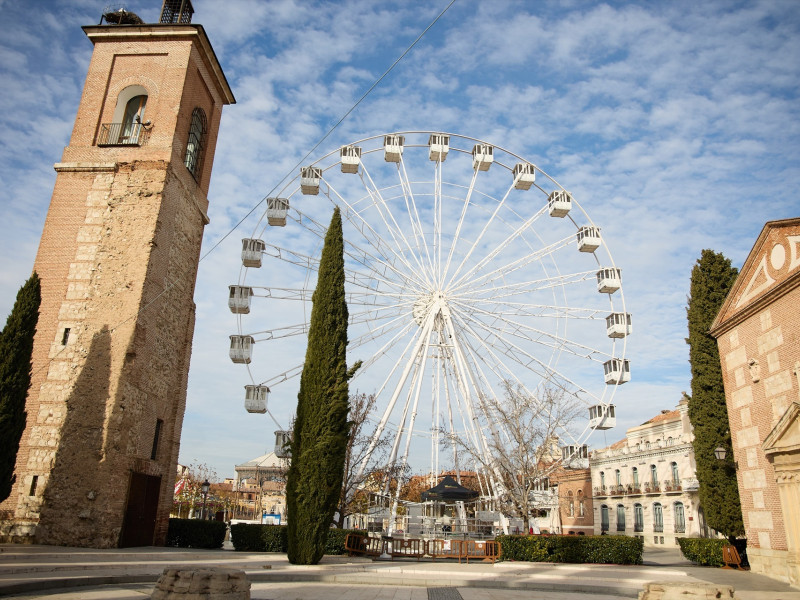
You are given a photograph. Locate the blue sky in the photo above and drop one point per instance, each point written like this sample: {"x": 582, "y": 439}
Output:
{"x": 675, "y": 124}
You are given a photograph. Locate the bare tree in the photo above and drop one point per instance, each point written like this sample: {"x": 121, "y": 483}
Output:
{"x": 522, "y": 450}
{"x": 353, "y": 499}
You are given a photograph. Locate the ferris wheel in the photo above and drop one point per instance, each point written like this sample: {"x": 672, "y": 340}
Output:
{"x": 468, "y": 269}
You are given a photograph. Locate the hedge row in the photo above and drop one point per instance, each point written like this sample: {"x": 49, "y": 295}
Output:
{"x": 703, "y": 551}
{"x": 599, "y": 549}
{"x": 248, "y": 537}
{"x": 195, "y": 533}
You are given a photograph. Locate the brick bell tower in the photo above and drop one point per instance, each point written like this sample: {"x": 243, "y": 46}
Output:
{"x": 118, "y": 263}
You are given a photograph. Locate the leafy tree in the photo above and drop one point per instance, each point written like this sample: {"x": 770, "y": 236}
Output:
{"x": 712, "y": 279}
{"x": 321, "y": 428}
{"x": 16, "y": 347}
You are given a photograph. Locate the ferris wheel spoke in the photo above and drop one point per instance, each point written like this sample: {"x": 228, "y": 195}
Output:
{"x": 280, "y": 332}
{"x": 490, "y": 291}
{"x": 479, "y": 356}
{"x": 461, "y": 219}
{"x": 538, "y": 311}
{"x": 529, "y": 361}
{"x": 414, "y": 218}
{"x": 520, "y": 330}
{"x": 394, "y": 229}
{"x": 357, "y": 220}
{"x": 417, "y": 342}
{"x": 467, "y": 378}
{"x": 478, "y": 240}
{"x": 509, "y": 267}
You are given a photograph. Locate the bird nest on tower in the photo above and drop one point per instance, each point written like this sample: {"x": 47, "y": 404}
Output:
{"x": 117, "y": 15}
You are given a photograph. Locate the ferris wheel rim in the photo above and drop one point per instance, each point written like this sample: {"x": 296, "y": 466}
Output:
{"x": 293, "y": 186}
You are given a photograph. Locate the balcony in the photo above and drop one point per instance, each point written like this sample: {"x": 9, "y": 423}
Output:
{"x": 600, "y": 491}
{"x": 123, "y": 134}
{"x": 617, "y": 490}
{"x": 672, "y": 485}
{"x": 651, "y": 488}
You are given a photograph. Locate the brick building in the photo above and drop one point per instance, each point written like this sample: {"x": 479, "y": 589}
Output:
{"x": 575, "y": 501}
{"x": 118, "y": 262}
{"x": 646, "y": 484}
{"x": 758, "y": 333}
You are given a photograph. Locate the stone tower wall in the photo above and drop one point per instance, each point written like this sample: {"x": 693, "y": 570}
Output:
{"x": 118, "y": 261}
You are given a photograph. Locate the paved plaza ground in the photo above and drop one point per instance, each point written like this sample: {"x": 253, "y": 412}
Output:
{"x": 59, "y": 573}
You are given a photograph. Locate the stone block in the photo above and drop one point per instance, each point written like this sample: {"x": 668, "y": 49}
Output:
{"x": 211, "y": 583}
{"x": 686, "y": 591}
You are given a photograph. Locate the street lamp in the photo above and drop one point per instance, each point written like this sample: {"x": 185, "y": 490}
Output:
{"x": 720, "y": 453}
{"x": 204, "y": 487}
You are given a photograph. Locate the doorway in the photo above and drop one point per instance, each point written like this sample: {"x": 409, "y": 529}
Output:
{"x": 139, "y": 525}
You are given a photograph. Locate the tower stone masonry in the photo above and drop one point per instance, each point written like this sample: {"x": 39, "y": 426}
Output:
{"x": 118, "y": 262}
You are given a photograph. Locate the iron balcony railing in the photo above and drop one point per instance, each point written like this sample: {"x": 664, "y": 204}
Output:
{"x": 122, "y": 134}
{"x": 638, "y": 527}
{"x": 680, "y": 528}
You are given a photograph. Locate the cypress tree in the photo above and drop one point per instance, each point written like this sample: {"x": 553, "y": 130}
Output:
{"x": 16, "y": 347}
{"x": 712, "y": 279}
{"x": 321, "y": 429}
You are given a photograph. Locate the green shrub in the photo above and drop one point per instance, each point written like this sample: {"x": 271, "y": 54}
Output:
{"x": 606, "y": 549}
{"x": 703, "y": 551}
{"x": 248, "y": 537}
{"x": 195, "y": 533}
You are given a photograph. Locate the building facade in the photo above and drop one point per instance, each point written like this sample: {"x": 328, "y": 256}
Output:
{"x": 646, "y": 486}
{"x": 758, "y": 334}
{"x": 575, "y": 501}
{"x": 260, "y": 486}
{"x": 118, "y": 262}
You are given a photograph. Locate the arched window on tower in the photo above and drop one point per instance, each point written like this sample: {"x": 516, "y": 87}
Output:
{"x": 195, "y": 145}
{"x": 128, "y": 126}
{"x": 571, "y": 504}
{"x": 581, "y": 504}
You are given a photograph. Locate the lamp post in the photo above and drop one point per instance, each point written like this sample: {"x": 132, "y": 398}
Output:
{"x": 204, "y": 487}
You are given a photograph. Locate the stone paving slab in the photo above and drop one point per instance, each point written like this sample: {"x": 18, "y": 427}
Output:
{"x": 70, "y": 573}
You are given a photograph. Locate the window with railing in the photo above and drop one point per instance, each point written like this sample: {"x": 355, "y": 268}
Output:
{"x": 676, "y": 478}
{"x": 658, "y": 518}
{"x": 638, "y": 518}
{"x": 122, "y": 134}
{"x": 680, "y": 518}
{"x": 129, "y": 127}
